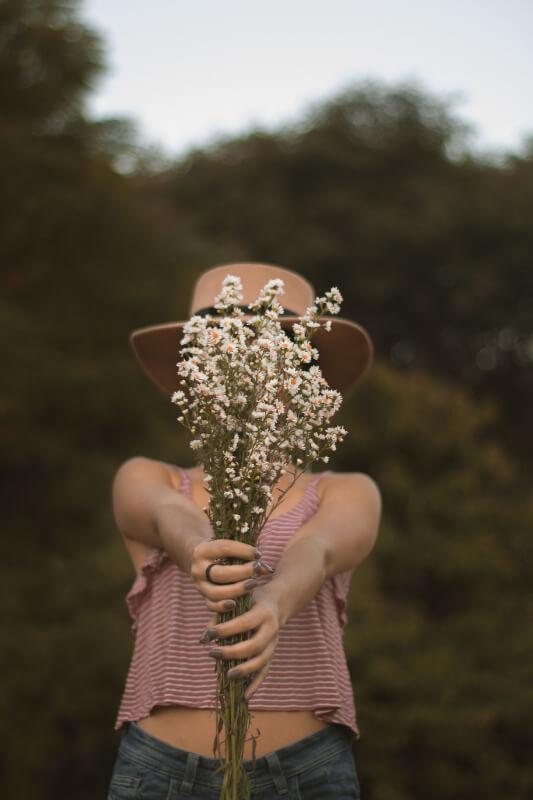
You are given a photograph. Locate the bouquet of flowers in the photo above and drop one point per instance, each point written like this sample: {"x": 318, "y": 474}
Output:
{"x": 256, "y": 408}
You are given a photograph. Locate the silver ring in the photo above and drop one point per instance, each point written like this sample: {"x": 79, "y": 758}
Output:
{"x": 207, "y": 570}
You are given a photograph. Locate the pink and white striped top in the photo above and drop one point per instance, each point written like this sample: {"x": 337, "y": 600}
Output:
{"x": 170, "y": 667}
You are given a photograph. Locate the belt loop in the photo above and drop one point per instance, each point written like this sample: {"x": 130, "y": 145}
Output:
{"x": 190, "y": 773}
{"x": 277, "y": 773}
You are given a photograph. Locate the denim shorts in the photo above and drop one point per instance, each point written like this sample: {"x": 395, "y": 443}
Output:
{"x": 314, "y": 768}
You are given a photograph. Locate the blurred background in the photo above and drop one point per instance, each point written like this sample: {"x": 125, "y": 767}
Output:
{"x": 143, "y": 143}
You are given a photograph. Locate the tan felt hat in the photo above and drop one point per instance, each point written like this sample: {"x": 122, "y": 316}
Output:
{"x": 345, "y": 352}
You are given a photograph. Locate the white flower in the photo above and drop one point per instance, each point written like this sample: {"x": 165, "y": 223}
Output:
{"x": 275, "y": 286}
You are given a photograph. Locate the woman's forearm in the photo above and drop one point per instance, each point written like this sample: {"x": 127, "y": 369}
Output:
{"x": 299, "y": 575}
{"x": 338, "y": 537}
{"x": 179, "y": 531}
{"x": 148, "y": 509}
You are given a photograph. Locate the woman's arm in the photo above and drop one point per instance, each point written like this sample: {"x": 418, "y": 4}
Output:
{"x": 338, "y": 537}
{"x": 148, "y": 509}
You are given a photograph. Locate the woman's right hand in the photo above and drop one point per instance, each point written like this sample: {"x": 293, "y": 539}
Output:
{"x": 226, "y": 581}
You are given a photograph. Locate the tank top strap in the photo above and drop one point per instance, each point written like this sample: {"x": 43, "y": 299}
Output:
{"x": 186, "y": 481}
{"x": 316, "y": 480}
{"x": 319, "y": 477}
{"x": 311, "y": 489}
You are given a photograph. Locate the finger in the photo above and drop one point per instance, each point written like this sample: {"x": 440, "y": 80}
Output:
{"x": 248, "y": 621}
{"x": 253, "y": 664}
{"x": 264, "y": 567}
{"x": 220, "y": 606}
{"x": 210, "y": 633}
{"x": 231, "y": 573}
{"x": 225, "y": 591}
{"x": 246, "y": 649}
{"x": 257, "y": 681}
{"x": 226, "y": 548}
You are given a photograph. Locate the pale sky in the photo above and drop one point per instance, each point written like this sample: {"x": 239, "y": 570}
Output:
{"x": 188, "y": 71}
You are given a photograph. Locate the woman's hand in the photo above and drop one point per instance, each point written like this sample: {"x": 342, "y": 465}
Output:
{"x": 226, "y": 581}
{"x": 258, "y": 650}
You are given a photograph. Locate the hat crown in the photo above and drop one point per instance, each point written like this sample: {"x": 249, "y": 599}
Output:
{"x": 298, "y": 293}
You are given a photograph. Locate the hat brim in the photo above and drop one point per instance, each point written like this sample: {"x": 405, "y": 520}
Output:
{"x": 345, "y": 352}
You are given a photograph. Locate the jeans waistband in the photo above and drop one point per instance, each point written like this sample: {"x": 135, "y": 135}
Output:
{"x": 277, "y": 767}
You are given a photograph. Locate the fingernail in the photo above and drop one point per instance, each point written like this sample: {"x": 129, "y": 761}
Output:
{"x": 215, "y": 652}
{"x": 257, "y": 567}
{"x": 229, "y": 604}
{"x": 250, "y": 696}
{"x": 250, "y": 585}
{"x": 208, "y": 634}
{"x": 257, "y": 554}
{"x": 266, "y": 566}
{"x": 234, "y": 673}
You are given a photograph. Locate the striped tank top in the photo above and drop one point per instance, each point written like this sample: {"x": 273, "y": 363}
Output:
{"x": 170, "y": 667}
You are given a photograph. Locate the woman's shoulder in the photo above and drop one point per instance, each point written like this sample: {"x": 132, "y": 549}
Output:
{"x": 345, "y": 483}
{"x": 156, "y": 470}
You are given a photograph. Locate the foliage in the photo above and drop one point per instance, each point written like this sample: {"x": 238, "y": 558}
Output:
{"x": 437, "y": 638}
{"x": 430, "y": 243}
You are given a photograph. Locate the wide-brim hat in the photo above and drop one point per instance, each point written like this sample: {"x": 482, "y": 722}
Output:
{"x": 345, "y": 352}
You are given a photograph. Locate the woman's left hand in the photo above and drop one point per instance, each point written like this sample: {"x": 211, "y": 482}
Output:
{"x": 263, "y": 619}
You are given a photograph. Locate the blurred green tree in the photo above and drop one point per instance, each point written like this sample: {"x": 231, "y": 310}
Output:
{"x": 438, "y": 639}
{"x": 378, "y": 188}
{"x": 84, "y": 254}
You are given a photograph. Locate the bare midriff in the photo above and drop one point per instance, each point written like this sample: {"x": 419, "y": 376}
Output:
{"x": 193, "y": 729}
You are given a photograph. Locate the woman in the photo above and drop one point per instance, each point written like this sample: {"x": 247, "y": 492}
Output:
{"x": 300, "y": 695}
